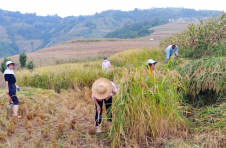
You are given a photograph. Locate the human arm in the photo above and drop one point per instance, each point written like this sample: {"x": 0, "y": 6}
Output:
{"x": 98, "y": 106}
{"x": 167, "y": 56}
{"x": 7, "y": 87}
{"x": 176, "y": 50}
{"x": 6, "y": 76}
{"x": 109, "y": 64}
{"x": 96, "y": 103}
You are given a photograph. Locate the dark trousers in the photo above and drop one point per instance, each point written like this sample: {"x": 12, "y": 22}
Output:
{"x": 108, "y": 104}
{"x": 12, "y": 93}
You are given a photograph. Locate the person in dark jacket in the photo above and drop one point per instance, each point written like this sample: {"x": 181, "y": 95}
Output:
{"x": 11, "y": 87}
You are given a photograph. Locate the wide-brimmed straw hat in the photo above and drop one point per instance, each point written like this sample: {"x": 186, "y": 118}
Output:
{"x": 10, "y": 62}
{"x": 102, "y": 88}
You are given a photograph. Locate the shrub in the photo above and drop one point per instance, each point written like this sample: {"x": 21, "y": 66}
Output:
{"x": 31, "y": 65}
{"x": 23, "y": 59}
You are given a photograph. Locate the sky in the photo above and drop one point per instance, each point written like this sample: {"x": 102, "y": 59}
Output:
{"x": 65, "y": 8}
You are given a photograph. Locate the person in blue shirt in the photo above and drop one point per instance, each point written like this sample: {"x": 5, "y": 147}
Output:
{"x": 170, "y": 51}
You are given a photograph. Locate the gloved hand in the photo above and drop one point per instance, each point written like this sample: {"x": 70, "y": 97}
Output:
{"x": 17, "y": 88}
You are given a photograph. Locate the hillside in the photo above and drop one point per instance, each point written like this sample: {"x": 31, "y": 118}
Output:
{"x": 29, "y": 32}
{"x": 83, "y": 50}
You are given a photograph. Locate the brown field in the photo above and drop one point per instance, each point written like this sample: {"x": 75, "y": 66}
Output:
{"x": 93, "y": 49}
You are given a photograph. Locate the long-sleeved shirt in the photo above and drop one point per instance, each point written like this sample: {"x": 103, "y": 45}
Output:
{"x": 114, "y": 90}
{"x": 106, "y": 64}
{"x": 170, "y": 50}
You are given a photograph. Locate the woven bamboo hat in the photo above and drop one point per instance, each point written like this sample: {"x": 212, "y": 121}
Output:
{"x": 102, "y": 88}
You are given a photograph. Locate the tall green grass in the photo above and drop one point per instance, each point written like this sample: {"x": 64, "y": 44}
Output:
{"x": 149, "y": 113}
{"x": 67, "y": 76}
{"x": 136, "y": 56}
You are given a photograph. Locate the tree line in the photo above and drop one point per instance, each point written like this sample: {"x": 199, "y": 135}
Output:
{"x": 135, "y": 30}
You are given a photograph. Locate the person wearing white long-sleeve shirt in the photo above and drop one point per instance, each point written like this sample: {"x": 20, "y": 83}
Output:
{"x": 170, "y": 51}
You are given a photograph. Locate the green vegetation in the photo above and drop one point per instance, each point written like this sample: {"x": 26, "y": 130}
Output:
{"x": 135, "y": 30}
{"x": 8, "y": 49}
{"x": 29, "y": 32}
{"x": 23, "y": 60}
{"x": 151, "y": 111}
{"x": 30, "y": 65}
{"x": 204, "y": 39}
{"x": 3, "y": 64}
{"x": 204, "y": 79}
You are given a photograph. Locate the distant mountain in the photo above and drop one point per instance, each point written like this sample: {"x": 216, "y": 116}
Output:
{"x": 29, "y": 32}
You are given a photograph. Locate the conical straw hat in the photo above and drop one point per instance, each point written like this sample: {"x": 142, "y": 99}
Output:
{"x": 102, "y": 88}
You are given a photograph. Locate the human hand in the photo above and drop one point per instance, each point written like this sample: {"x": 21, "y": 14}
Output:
{"x": 7, "y": 91}
{"x": 177, "y": 56}
{"x": 167, "y": 61}
{"x": 17, "y": 88}
{"x": 98, "y": 109}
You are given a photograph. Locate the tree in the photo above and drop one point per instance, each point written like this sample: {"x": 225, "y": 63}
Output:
{"x": 23, "y": 59}
{"x": 3, "y": 64}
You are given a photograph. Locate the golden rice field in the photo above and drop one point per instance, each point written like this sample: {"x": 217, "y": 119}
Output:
{"x": 155, "y": 116}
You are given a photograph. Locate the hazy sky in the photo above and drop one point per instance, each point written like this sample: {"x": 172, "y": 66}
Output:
{"x": 88, "y": 7}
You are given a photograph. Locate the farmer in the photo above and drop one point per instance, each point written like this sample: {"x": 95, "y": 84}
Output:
{"x": 106, "y": 64}
{"x": 102, "y": 91}
{"x": 150, "y": 68}
{"x": 11, "y": 86}
{"x": 170, "y": 51}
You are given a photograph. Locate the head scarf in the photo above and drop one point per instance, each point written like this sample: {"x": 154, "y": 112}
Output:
{"x": 8, "y": 71}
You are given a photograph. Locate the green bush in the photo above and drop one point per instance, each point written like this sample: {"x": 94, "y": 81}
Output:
{"x": 31, "y": 65}
{"x": 23, "y": 59}
{"x": 3, "y": 64}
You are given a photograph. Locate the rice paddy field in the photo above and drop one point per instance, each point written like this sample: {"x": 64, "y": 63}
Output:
{"x": 183, "y": 106}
